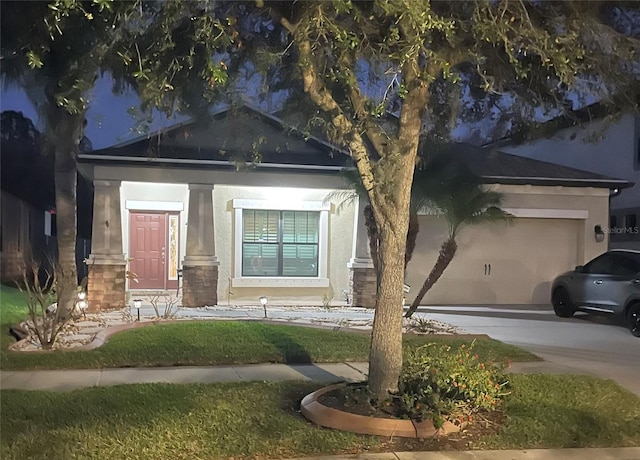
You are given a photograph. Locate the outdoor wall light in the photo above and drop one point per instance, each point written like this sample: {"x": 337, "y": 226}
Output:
{"x": 137, "y": 304}
{"x": 598, "y": 233}
{"x": 263, "y": 302}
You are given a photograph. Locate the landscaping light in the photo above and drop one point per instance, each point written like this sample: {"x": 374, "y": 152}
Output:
{"x": 81, "y": 303}
{"x": 137, "y": 304}
{"x": 263, "y": 302}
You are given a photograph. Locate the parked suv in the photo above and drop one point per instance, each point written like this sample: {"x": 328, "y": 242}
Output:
{"x": 609, "y": 284}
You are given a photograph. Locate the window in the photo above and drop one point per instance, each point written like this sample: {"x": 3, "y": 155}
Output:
{"x": 601, "y": 265}
{"x": 613, "y": 221}
{"x": 624, "y": 265}
{"x": 630, "y": 220}
{"x": 280, "y": 243}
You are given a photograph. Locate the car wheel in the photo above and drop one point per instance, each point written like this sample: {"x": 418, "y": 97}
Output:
{"x": 562, "y": 305}
{"x": 633, "y": 319}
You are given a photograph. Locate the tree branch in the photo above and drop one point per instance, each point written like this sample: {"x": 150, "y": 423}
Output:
{"x": 324, "y": 100}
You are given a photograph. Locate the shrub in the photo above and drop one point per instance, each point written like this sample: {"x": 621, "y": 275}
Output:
{"x": 46, "y": 319}
{"x": 440, "y": 383}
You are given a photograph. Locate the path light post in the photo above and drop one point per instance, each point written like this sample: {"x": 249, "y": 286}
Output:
{"x": 137, "y": 304}
{"x": 263, "y": 302}
{"x": 82, "y": 304}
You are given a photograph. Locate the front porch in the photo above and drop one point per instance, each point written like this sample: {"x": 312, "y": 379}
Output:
{"x": 186, "y": 240}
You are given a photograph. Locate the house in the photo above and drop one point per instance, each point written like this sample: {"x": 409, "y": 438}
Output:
{"x": 605, "y": 147}
{"x": 25, "y": 220}
{"x": 189, "y": 209}
{"x": 27, "y": 211}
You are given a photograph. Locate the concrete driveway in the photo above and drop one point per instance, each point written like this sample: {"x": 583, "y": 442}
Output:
{"x": 589, "y": 344}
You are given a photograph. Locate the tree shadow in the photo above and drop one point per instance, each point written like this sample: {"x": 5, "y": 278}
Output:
{"x": 295, "y": 354}
{"x": 290, "y": 350}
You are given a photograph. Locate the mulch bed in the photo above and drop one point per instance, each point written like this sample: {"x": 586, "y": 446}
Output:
{"x": 351, "y": 399}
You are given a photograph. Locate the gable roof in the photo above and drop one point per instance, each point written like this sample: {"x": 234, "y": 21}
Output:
{"x": 235, "y": 134}
{"x": 230, "y": 137}
{"x": 494, "y": 166}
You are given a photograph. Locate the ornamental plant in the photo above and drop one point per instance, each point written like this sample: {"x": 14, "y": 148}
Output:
{"x": 445, "y": 383}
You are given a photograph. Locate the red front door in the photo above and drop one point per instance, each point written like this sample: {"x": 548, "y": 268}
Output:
{"x": 147, "y": 244}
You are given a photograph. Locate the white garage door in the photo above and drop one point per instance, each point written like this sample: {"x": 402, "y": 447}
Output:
{"x": 496, "y": 263}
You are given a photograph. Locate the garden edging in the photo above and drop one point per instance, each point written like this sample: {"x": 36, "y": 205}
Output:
{"x": 329, "y": 417}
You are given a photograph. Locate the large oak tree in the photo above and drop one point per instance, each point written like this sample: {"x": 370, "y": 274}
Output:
{"x": 57, "y": 50}
{"x": 424, "y": 61}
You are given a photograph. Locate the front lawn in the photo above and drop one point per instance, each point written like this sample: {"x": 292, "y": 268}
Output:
{"x": 234, "y": 342}
{"x": 261, "y": 420}
{"x": 13, "y": 309}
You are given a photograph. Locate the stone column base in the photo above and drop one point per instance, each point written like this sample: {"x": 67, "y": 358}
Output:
{"x": 106, "y": 287}
{"x": 362, "y": 287}
{"x": 199, "y": 285}
{"x": 12, "y": 267}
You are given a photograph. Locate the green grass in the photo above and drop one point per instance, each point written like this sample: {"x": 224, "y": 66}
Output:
{"x": 568, "y": 411}
{"x": 13, "y": 309}
{"x": 13, "y": 305}
{"x": 259, "y": 420}
{"x": 233, "y": 342}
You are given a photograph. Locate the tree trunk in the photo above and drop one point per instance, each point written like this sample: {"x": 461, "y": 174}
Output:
{"x": 447, "y": 252}
{"x": 64, "y": 134}
{"x": 374, "y": 238}
{"x": 385, "y": 355}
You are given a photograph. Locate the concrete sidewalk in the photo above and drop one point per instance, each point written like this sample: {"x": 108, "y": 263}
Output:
{"x": 72, "y": 379}
{"x": 622, "y": 453}
{"x": 68, "y": 380}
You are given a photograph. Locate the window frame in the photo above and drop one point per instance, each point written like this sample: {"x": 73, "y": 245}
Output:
{"x": 630, "y": 220}
{"x": 280, "y": 242}
{"x": 321, "y": 280}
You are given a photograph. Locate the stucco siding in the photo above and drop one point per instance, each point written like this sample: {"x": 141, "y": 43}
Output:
{"x": 499, "y": 263}
{"x": 340, "y": 235}
{"x": 340, "y": 240}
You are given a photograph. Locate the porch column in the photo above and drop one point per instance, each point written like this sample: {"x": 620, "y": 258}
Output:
{"x": 362, "y": 275}
{"x": 107, "y": 264}
{"x": 200, "y": 265}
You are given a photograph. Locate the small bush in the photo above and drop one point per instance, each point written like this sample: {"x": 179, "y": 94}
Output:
{"x": 440, "y": 383}
{"x": 47, "y": 320}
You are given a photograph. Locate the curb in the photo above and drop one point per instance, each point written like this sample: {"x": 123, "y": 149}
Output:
{"x": 103, "y": 336}
{"x": 605, "y": 453}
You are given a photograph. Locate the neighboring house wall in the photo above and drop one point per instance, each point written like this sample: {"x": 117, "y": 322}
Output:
{"x": 23, "y": 237}
{"x": 612, "y": 150}
{"x": 553, "y": 231}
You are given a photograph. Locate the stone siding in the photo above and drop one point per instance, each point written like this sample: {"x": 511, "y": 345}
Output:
{"x": 106, "y": 287}
{"x": 199, "y": 286}
{"x": 362, "y": 287}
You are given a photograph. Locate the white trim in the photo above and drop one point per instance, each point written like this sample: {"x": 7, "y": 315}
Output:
{"x": 549, "y": 213}
{"x": 154, "y": 205}
{"x": 277, "y": 282}
{"x": 323, "y": 244}
{"x": 277, "y": 205}
{"x": 173, "y": 218}
{"x": 149, "y": 160}
{"x": 560, "y": 179}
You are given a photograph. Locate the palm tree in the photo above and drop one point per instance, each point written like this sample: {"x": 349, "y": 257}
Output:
{"x": 462, "y": 201}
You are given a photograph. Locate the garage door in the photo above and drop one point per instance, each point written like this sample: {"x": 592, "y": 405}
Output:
{"x": 496, "y": 263}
